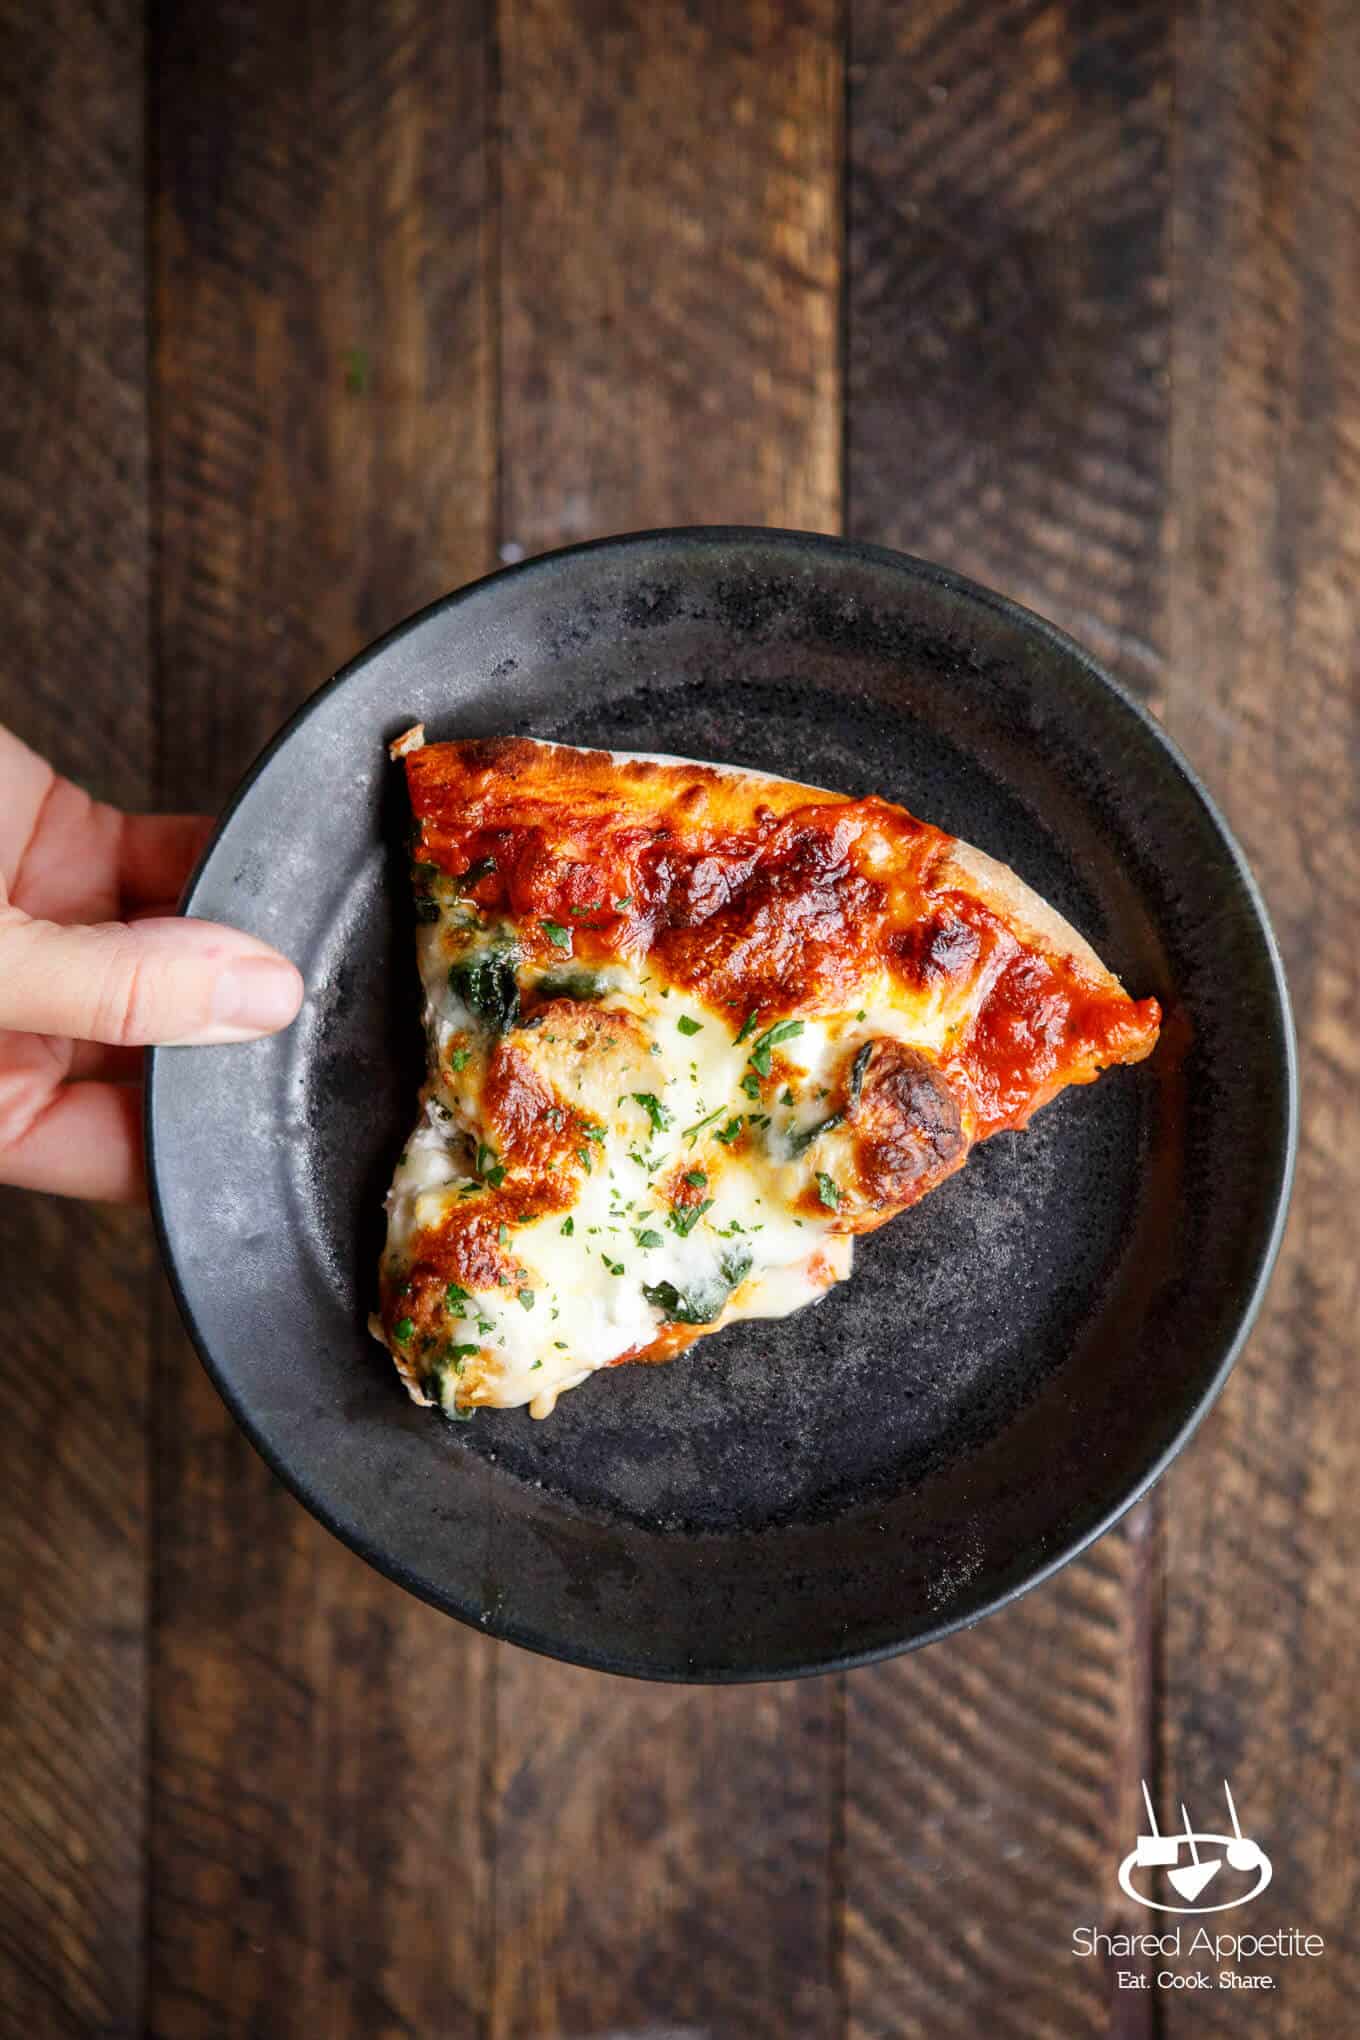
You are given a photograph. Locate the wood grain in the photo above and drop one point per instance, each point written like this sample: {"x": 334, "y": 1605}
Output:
{"x": 1263, "y": 1513}
{"x": 1007, "y": 334}
{"x": 665, "y": 1857}
{"x": 670, "y": 277}
{"x": 323, "y": 359}
{"x": 74, "y": 682}
{"x": 1006, "y": 352}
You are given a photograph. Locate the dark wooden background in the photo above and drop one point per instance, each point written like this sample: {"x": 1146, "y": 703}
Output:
{"x": 310, "y": 312}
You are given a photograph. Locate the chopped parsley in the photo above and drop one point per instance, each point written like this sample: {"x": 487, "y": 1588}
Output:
{"x": 828, "y": 1190}
{"x": 454, "y": 1294}
{"x": 624, "y": 900}
{"x": 488, "y": 1168}
{"x": 649, "y": 1239}
{"x": 727, "y": 1134}
{"x": 459, "y": 1059}
{"x": 682, "y": 1218}
{"x": 786, "y": 1096}
{"x": 595, "y": 1133}
{"x": 691, "y": 1132}
{"x": 654, "y": 1109}
{"x": 857, "y": 1069}
{"x": 614, "y": 1267}
{"x": 402, "y": 1330}
{"x": 503, "y": 1235}
{"x": 748, "y": 1026}
{"x": 568, "y": 1228}
{"x": 697, "y": 1180}
{"x": 751, "y": 1086}
{"x": 526, "y": 1297}
{"x": 783, "y": 1030}
{"x": 559, "y": 936}
{"x": 688, "y": 1026}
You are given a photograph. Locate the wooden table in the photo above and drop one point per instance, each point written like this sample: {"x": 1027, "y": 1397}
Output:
{"x": 315, "y": 311}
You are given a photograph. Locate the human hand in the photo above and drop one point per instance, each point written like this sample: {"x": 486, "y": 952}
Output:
{"x": 93, "y": 964}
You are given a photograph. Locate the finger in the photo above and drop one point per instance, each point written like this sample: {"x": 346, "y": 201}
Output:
{"x": 173, "y": 981}
{"x": 28, "y": 781}
{"x": 50, "y": 1059}
{"x": 86, "y": 1143}
{"x": 156, "y": 853}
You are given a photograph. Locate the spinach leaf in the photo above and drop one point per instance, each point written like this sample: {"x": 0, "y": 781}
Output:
{"x": 485, "y": 982}
{"x": 704, "y": 1299}
{"x": 571, "y": 984}
{"x": 801, "y": 1139}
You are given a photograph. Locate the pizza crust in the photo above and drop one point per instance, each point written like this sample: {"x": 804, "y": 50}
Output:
{"x": 1025, "y": 912}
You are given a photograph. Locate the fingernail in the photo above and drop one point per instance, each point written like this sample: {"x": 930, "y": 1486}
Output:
{"x": 257, "y": 995}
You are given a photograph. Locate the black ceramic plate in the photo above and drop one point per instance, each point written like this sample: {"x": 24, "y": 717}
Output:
{"x": 1011, "y": 1364}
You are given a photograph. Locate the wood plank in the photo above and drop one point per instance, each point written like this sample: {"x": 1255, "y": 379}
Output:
{"x": 74, "y": 682}
{"x": 1007, "y": 344}
{"x": 670, "y": 281}
{"x": 1263, "y": 1513}
{"x": 1006, "y": 356}
{"x": 326, "y": 463}
{"x": 664, "y": 1856}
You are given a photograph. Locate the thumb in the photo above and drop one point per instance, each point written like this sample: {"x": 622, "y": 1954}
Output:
{"x": 166, "y": 980}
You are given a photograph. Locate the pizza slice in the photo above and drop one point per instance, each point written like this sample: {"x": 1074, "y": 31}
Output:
{"x": 690, "y": 1029}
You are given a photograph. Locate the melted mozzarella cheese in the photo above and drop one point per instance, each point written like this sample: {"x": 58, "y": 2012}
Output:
{"x": 601, "y": 1280}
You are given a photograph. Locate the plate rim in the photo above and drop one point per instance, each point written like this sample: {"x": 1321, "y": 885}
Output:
{"x": 913, "y": 568}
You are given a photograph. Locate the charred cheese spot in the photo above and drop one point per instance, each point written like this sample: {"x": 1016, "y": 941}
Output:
{"x": 525, "y": 1118}
{"x": 943, "y": 948}
{"x": 907, "y": 1126}
{"x": 798, "y": 913}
